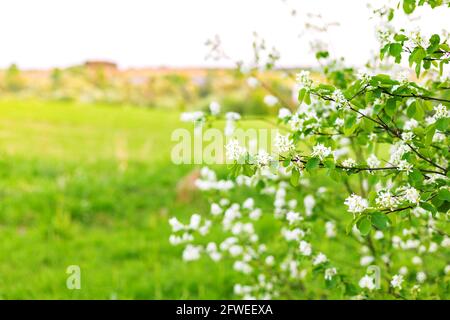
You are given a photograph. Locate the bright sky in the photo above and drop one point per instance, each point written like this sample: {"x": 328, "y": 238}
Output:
{"x": 139, "y": 33}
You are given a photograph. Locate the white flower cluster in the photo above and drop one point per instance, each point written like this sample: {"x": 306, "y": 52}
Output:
{"x": 270, "y": 100}
{"x": 330, "y": 229}
{"x": 356, "y": 204}
{"x": 263, "y": 159}
{"x": 234, "y": 151}
{"x": 385, "y": 199}
{"x": 305, "y": 114}
{"x": 410, "y": 124}
{"x": 373, "y": 161}
{"x": 367, "y": 282}
{"x": 397, "y": 152}
{"x": 441, "y": 111}
{"x": 208, "y": 181}
{"x": 320, "y": 151}
{"x": 397, "y": 281}
{"x": 195, "y": 116}
{"x": 349, "y": 163}
{"x": 188, "y": 230}
{"x": 283, "y": 113}
{"x": 230, "y": 125}
{"x": 364, "y": 76}
{"x": 340, "y": 100}
{"x": 304, "y": 80}
{"x": 283, "y": 143}
{"x": 214, "y": 108}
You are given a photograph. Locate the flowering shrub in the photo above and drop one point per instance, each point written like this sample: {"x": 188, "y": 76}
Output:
{"x": 360, "y": 170}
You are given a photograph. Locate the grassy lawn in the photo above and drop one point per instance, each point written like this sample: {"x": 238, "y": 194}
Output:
{"x": 93, "y": 186}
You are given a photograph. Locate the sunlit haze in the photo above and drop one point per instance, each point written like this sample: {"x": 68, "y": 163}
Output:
{"x": 140, "y": 33}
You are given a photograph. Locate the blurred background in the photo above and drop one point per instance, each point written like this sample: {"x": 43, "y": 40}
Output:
{"x": 90, "y": 92}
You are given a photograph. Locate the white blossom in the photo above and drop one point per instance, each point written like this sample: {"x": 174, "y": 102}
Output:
{"x": 421, "y": 277}
{"x": 330, "y": 228}
{"x": 293, "y": 235}
{"x": 366, "y": 260}
{"x": 349, "y": 163}
{"x": 441, "y": 112}
{"x": 447, "y": 269}
{"x": 192, "y": 116}
{"x": 252, "y": 82}
{"x": 319, "y": 259}
{"x": 321, "y": 151}
{"x": 270, "y": 100}
{"x": 305, "y": 248}
{"x": 283, "y": 143}
{"x": 410, "y": 124}
{"x": 356, "y": 204}
{"x": 270, "y": 260}
{"x": 407, "y": 136}
{"x": 367, "y": 282}
{"x": 330, "y": 273}
{"x": 215, "y": 209}
{"x": 411, "y": 195}
{"x": 373, "y": 161}
{"x": 255, "y": 214}
{"x": 195, "y": 221}
{"x": 214, "y": 108}
{"x": 191, "y": 253}
{"x": 304, "y": 80}
{"x": 175, "y": 224}
{"x": 243, "y": 267}
{"x": 232, "y": 116}
{"x": 416, "y": 260}
{"x": 263, "y": 159}
{"x": 284, "y": 113}
{"x": 386, "y": 200}
{"x": 339, "y": 122}
{"x": 248, "y": 203}
{"x": 234, "y": 151}
{"x": 293, "y": 217}
{"x": 405, "y": 166}
{"x": 403, "y": 271}
{"x": 309, "y": 202}
{"x": 378, "y": 235}
{"x": 340, "y": 100}
{"x": 397, "y": 281}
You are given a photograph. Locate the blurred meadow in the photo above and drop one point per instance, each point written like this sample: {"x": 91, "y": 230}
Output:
{"x": 86, "y": 179}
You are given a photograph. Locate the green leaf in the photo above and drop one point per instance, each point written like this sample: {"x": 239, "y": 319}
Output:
{"x": 415, "y": 177}
{"x": 395, "y": 50}
{"x": 429, "y": 207}
{"x": 301, "y": 95}
{"x": 417, "y": 56}
{"x": 390, "y": 107}
{"x": 411, "y": 111}
{"x": 380, "y": 220}
{"x": 364, "y": 225}
{"x": 350, "y": 121}
{"x": 444, "y": 194}
{"x": 295, "y": 177}
{"x": 312, "y": 163}
{"x": 400, "y": 37}
{"x": 409, "y": 6}
{"x": 434, "y": 43}
{"x": 248, "y": 170}
{"x": 420, "y": 112}
{"x": 329, "y": 163}
{"x": 442, "y": 124}
{"x": 384, "y": 50}
{"x": 307, "y": 98}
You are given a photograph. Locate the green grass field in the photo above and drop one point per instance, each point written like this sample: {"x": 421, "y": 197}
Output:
{"x": 93, "y": 186}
